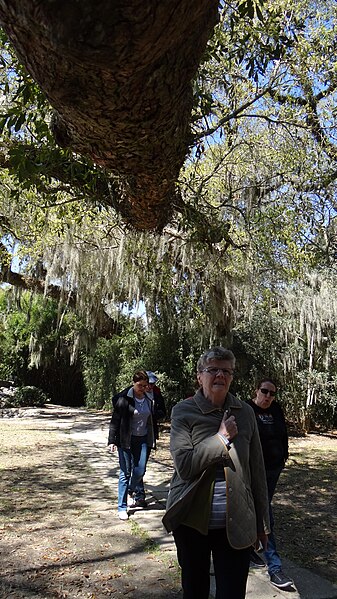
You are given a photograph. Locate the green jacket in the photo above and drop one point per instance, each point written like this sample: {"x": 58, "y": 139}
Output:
{"x": 196, "y": 449}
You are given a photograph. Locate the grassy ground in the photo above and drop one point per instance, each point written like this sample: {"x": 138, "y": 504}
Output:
{"x": 305, "y": 505}
{"x": 59, "y": 537}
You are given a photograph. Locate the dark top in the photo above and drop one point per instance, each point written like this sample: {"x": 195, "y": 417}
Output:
{"x": 273, "y": 434}
{"x": 159, "y": 410}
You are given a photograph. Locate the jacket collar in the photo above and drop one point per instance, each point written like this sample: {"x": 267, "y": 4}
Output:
{"x": 205, "y": 406}
{"x": 130, "y": 394}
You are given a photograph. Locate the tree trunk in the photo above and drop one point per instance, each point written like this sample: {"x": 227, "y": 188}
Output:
{"x": 118, "y": 75}
{"x": 310, "y": 387}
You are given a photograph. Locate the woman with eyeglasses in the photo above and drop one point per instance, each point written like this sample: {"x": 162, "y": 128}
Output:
{"x": 131, "y": 433}
{"x": 217, "y": 504}
{"x": 274, "y": 440}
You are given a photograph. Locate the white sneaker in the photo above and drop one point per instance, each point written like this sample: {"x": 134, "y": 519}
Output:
{"x": 123, "y": 515}
{"x": 131, "y": 501}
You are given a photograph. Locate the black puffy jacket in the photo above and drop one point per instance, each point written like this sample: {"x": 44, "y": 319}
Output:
{"x": 120, "y": 423}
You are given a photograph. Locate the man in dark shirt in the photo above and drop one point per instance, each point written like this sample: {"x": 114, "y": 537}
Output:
{"x": 274, "y": 441}
{"x": 159, "y": 403}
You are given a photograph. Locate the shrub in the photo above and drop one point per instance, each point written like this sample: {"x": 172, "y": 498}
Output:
{"x": 29, "y": 396}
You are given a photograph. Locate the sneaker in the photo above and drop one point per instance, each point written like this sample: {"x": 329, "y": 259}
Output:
{"x": 139, "y": 503}
{"x": 280, "y": 580}
{"x": 256, "y": 561}
{"x": 123, "y": 515}
{"x": 131, "y": 501}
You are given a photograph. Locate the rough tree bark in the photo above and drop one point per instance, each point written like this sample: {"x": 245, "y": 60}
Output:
{"x": 118, "y": 74}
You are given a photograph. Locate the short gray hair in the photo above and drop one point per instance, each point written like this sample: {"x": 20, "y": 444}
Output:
{"x": 215, "y": 353}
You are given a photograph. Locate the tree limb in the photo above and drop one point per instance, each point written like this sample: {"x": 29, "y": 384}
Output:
{"x": 119, "y": 78}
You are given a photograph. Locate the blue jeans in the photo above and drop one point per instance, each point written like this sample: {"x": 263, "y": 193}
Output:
{"x": 271, "y": 556}
{"x": 132, "y": 469}
{"x": 139, "y": 491}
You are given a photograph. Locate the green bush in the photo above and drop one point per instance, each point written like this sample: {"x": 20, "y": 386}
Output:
{"x": 29, "y": 396}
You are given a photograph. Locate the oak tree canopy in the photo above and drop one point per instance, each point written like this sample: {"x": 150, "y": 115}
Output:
{"x": 230, "y": 187}
{"x": 257, "y": 191}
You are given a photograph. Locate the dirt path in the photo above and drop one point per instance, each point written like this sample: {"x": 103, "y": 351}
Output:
{"x": 60, "y": 537}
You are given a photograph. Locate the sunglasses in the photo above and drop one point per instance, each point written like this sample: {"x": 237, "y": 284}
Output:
{"x": 267, "y": 391}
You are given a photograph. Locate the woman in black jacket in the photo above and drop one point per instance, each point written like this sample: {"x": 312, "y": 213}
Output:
{"x": 274, "y": 440}
{"x": 131, "y": 432}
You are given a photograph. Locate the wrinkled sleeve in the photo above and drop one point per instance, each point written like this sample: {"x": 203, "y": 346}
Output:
{"x": 159, "y": 406}
{"x": 285, "y": 440}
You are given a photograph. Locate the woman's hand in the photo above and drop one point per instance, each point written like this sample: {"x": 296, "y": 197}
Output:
{"x": 262, "y": 538}
{"x": 228, "y": 427}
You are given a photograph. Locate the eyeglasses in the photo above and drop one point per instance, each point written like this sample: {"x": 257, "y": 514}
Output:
{"x": 213, "y": 371}
{"x": 267, "y": 391}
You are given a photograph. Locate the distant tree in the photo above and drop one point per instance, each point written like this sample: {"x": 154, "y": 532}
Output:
{"x": 291, "y": 337}
{"x": 37, "y": 347}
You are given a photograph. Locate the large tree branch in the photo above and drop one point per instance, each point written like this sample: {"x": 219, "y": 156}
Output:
{"x": 119, "y": 76}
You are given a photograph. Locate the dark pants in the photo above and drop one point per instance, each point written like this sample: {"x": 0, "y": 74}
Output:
{"x": 194, "y": 552}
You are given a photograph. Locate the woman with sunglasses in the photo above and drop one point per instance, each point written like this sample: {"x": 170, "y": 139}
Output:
{"x": 274, "y": 441}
